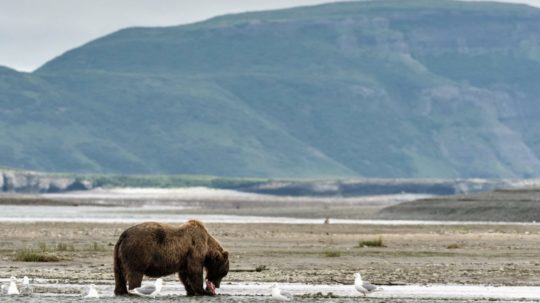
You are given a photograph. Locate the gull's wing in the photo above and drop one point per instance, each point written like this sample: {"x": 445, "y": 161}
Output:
{"x": 283, "y": 298}
{"x": 360, "y": 287}
{"x": 287, "y": 294}
{"x": 368, "y": 286}
{"x": 145, "y": 290}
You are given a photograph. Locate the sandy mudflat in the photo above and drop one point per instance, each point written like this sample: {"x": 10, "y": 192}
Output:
{"x": 472, "y": 254}
{"x": 314, "y": 254}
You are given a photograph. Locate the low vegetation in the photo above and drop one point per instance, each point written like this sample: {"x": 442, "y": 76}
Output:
{"x": 60, "y": 246}
{"x": 332, "y": 253}
{"x": 378, "y": 242}
{"x": 65, "y": 247}
{"x": 453, "y": 246}
{"x": 28, "y": 255}
{"x": 42, "y": 246}
{"x": 96, "y": 247}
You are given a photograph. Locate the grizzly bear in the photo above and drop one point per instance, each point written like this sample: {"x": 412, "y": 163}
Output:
{"x": 156, "y": 250}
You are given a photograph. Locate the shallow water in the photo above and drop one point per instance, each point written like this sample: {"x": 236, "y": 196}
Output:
{"x": 158, "y": 195}
{"x": 101, "y": 214}
{"x": 260, "y": 292}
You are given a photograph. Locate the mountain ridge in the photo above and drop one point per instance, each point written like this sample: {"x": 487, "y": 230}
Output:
{"x": 374, "y": 89}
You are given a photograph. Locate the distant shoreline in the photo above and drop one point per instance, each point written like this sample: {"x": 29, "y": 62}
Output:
{"x": 518, "y": 206}
{"x": 17, "y": 181}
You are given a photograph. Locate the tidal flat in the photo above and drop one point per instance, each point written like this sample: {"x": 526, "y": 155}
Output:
{"x": 323, "y": 254}
{"x": 410, "y": 256}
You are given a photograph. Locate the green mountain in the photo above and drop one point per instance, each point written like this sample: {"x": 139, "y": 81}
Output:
{"x": 418, "y": 88}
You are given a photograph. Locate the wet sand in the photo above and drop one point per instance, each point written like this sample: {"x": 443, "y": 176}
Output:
{"x": 300, "y": 253}
{"x": 248, "y": 292}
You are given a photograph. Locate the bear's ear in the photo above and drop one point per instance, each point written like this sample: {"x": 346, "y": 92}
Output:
{"x": 225, "y": 254}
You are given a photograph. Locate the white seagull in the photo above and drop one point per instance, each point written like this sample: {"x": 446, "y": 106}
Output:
{"x": 92, "y": 292}
{"x": 148, "y": 290}
{"x": 12, "y": 289}
{"x": 279, "y": 295}
{"x": 364, "y": 286}
{"x": 26, "y": 288}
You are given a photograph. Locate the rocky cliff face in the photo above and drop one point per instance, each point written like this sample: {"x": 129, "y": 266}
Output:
{"x": 26, "y": 182}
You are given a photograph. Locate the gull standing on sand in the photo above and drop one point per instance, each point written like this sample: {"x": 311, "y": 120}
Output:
{"x": 26, "y": 288}
{"x": 148, "y": 290}
{"x": 92, "y": 292}
{"x": 279, "y": 295}
{"x": 12, "y": 289}
{"x": 364, "y": 286}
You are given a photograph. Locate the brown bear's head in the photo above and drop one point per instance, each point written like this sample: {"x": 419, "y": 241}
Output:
{"x": 217, "y": 267}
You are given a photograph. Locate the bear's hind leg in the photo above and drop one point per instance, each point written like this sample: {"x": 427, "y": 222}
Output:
{"x": 134, "y": 280}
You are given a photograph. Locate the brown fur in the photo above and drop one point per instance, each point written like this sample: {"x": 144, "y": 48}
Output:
{"x": 156, "y": 250}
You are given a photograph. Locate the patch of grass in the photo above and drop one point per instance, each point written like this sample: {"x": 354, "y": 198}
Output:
{"x": 42, "y": 246}
{"x": 27, "y": 255}
{"x": 454, "y": 246}
{"x": 64, "y": 247}
{"x": 332, "y": 253}
{"x": 378, "y": 242}
{"x": 96, "y": 247}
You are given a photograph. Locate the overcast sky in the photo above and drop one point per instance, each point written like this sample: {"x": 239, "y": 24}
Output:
{"x": 35, "y": 31}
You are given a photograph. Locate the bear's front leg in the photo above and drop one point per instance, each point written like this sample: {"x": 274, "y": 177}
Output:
{"x": 187, "y": 284}
{"x": 195, "y": 279}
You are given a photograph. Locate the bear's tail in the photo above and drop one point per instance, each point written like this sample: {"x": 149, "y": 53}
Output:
{"x": 120, "y": 288}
